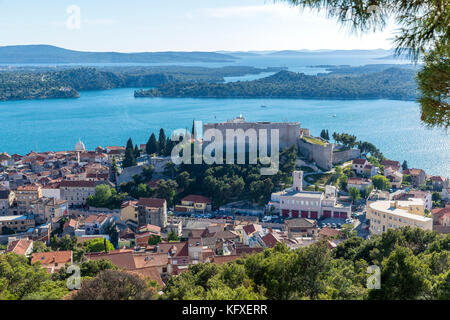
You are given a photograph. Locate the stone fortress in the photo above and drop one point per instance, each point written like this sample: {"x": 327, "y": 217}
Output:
{"x": 315, "y": 149}
{"x": 288, "y": 131}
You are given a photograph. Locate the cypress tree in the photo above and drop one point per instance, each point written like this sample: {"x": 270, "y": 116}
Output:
{"x": 130, "y": 159}
{"x": 161, "y": 141}
{"x": 129, "y": 144}
{"x": 152, "y": 145}
{"x": 137, "y": 152}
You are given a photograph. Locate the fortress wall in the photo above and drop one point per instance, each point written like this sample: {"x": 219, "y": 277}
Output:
{"x": 321, "y": 155}
{"x": 288, "y": 131}
{"x": 343, "y": 156}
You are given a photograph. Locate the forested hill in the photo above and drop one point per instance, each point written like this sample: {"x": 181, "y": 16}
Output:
{"x": 23, "y": 83}
{"x": 392, "y": 83}
{"x": 67, "y": 83}
{"x": 52, "y": 54}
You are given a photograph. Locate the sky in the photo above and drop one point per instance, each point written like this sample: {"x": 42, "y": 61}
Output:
{"x": 176, "y": 25}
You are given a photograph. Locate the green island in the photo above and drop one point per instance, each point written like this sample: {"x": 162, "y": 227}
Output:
{"x": 393, "y": 83}
{"x": 25, "y": 83}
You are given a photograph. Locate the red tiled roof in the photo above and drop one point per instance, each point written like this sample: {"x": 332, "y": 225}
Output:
{"x": 249, "y": 229}
{"x": 269, "y": 240}
{"x": 29, "y": 187}
{"x": 415, "y": 172}
{"x": 101, "y": 176}
{"x": 329, "y": 232}
{"x": 151, "y": 202}
{"x": 95, "y": 218}
{"x": 359, "y": 161}
{"x": 181, "y": 248}
{"x": 122, "y": 259}
{"x": 115, "y": 148}
{"x": 152, "y": 273}
{"x": 247, "y": 250}
{"x": 440, "y": 211}
{"x": 77, "y": 184}
{"x": 196, "y": 199}
{"x": 390, "y": 163}
{"x": 71, "y": 223}
{"x": 52, "y": 257}
{"x": 150, "y": 227}
{"x": 20, "y": 246}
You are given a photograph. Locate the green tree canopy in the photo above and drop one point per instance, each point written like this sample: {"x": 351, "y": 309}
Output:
{"x": 152, "y": 145}
{"x": 98, "y": 245}
{"x": 162, "y": 140}
{"x": 380, "y": 182}
{"x": 116, "y": 285}
{"x": 130, "y": 157}
{"x": 20, "y": 280}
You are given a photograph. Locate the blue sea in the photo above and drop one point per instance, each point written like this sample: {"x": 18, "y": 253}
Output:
{"x": 110, "y": 117}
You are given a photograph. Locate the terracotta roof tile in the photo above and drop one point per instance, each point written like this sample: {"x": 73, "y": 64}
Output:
{"x": 77, "y": 184}
{"x": 269, "y": 240}
{"x": 151, "y": 202}
{"x": 52, "y": 257}
{"x": 196, "y": 199}
{"x": 20, "y": 246}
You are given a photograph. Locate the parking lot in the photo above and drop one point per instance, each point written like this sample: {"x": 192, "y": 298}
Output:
{"x": 328, "y": 222}
{"x": 334, "y": 222}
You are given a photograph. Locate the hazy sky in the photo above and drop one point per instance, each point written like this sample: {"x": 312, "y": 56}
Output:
{"x": 179, "y": 25}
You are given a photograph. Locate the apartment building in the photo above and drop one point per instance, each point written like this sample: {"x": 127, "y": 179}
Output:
{"x": 45, "y": 209}
{"x": 16, "y": 224}
{"x": 76, "y": 192}
{"x": 385, "y": 214}
{"x": 25, "y": 196}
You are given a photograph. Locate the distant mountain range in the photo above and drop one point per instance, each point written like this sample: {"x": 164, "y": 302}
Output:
{"x": 48, "y": 54}
{"x": 52, "y": 54}
{"x": 377, "y": 52}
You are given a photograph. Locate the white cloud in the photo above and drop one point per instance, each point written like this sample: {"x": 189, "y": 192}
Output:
{"x": 274, "y": 10}
{"x": 99, "y": 22}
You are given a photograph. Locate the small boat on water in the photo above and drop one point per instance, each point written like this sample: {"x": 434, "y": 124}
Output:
{"x": 334, "y": 115}
{"x": 263, "y": 106}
